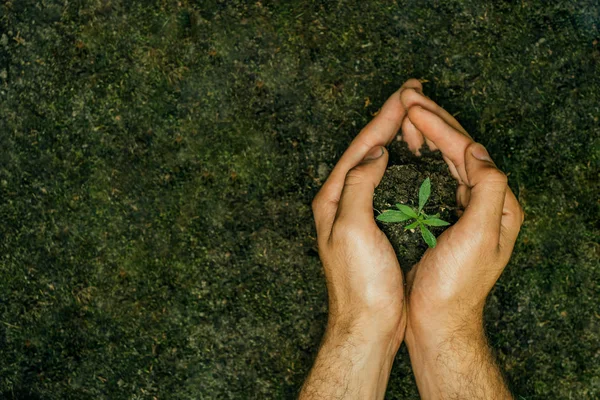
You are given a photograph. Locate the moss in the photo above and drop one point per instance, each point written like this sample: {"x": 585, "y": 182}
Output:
{"x": 158, "y": 159}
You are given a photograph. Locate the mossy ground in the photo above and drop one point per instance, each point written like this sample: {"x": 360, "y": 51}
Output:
{"x": 158, "y": 159}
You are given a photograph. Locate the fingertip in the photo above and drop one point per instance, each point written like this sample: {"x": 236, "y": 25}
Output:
{"x": 412, "y": 83}
{"x": 481, "y": 169}
{"x": 416, "y": 113}
{"x": 411, "y": 97}
{"x": 478, "y": 151}
{"x": 422, "y": 118}
{"x": 385, "y": 155}
{"x": 431, "y": 145}
{"x": 385, "y": 158}
{"x": 374, "y": 153}
{"x": 378, "y": 155}
{"x": 356, "y": 200}
{"x": 478, "y": 160}
{"x": 412, "y": 136}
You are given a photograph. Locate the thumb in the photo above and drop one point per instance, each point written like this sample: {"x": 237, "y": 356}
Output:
{"x": 356, "y": 201}
{"x": 488, "y": 189}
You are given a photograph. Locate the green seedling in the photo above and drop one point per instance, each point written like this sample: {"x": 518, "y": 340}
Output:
{"x": 421, "y": 220}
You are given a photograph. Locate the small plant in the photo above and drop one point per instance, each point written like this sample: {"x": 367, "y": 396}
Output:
{"x": 422, "y": 220}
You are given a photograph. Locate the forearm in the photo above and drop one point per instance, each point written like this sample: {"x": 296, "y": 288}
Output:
{"x": 350, "y": 366}
{"x": 456, "y": 365}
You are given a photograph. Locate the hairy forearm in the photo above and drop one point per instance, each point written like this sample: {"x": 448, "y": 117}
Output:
{"x": 456, "y": 365}
{"x": 350, "y": 366}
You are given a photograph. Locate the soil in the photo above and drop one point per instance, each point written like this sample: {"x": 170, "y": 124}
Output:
{"x": 400, "y": 184}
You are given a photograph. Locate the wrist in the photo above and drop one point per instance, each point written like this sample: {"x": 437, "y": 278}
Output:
{"x": 432, "y": 344}
{"x": 367, "y": 331}
{"x": 433, "y": 332}
{"x": 368, "y": 355}
{"x": 433, "y": 324}
{"x": 453, "y": 360}
{"x": 375, "y": 351}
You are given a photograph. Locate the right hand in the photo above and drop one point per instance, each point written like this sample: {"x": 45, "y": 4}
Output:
{"x": 447, "y": 289}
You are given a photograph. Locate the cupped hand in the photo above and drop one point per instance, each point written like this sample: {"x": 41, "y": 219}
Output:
{"x": 456, "y": 276}
{"x": 448, "y": 287}
{"x": 364, "y": 280}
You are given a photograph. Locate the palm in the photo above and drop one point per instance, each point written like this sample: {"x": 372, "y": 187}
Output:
{"x": 375, "y": 271}
{"x": 437, "y": 274}
{"x": 387, "y": 275}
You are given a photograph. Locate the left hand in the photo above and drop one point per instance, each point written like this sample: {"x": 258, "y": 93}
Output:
{"x": 367, "y": 311}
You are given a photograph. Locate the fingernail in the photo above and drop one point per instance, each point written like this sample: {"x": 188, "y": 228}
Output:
{"x": 374, "y": 153}
{"x": 480, "y": 153}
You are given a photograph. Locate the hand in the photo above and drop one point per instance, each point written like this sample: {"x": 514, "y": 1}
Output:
{"x": 448, "y": 287}
{"x": 367, "y": 312}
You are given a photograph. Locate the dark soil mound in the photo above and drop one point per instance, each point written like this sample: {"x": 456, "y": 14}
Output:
{"x": 401, "y": 184}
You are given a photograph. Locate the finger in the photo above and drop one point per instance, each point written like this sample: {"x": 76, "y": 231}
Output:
{"x": 413, "y": 138}
{"x": 512, "y": 219}
{"x": 463, "y": 196}
{"x": 453, "y": 170}
{"x": 380, "y": 131}
{"x": 356, "y": 202}
{"x": 488, "y": 186}
{"x": 412, "y": 97}
{"x": 451, "y": 142}
{"x": 430, "y": 144}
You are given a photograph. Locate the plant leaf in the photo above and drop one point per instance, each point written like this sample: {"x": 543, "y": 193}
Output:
{"x": 411, "y": 226}
{"x": 392, "y": 216}
{"x": 428, "y": 236}
{"x": 407, "y": 210}
{"x": 424, "y": 193}
{"x": 432, "y": 221}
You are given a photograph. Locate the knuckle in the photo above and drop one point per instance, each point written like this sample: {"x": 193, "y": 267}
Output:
{"x": 346, "y": 232}
{"x": 481, "y": 239}
{"x": 341, "y": 229}
{"x": 496, "y": 176}
{"x": 412, "y": 82}
{"x": 354, "y": 176}
{"x": 471, "y": 147}
{"x": 486, "y": 241}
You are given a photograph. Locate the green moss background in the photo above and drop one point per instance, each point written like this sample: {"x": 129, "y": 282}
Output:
{"x": 158, "y": 159}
